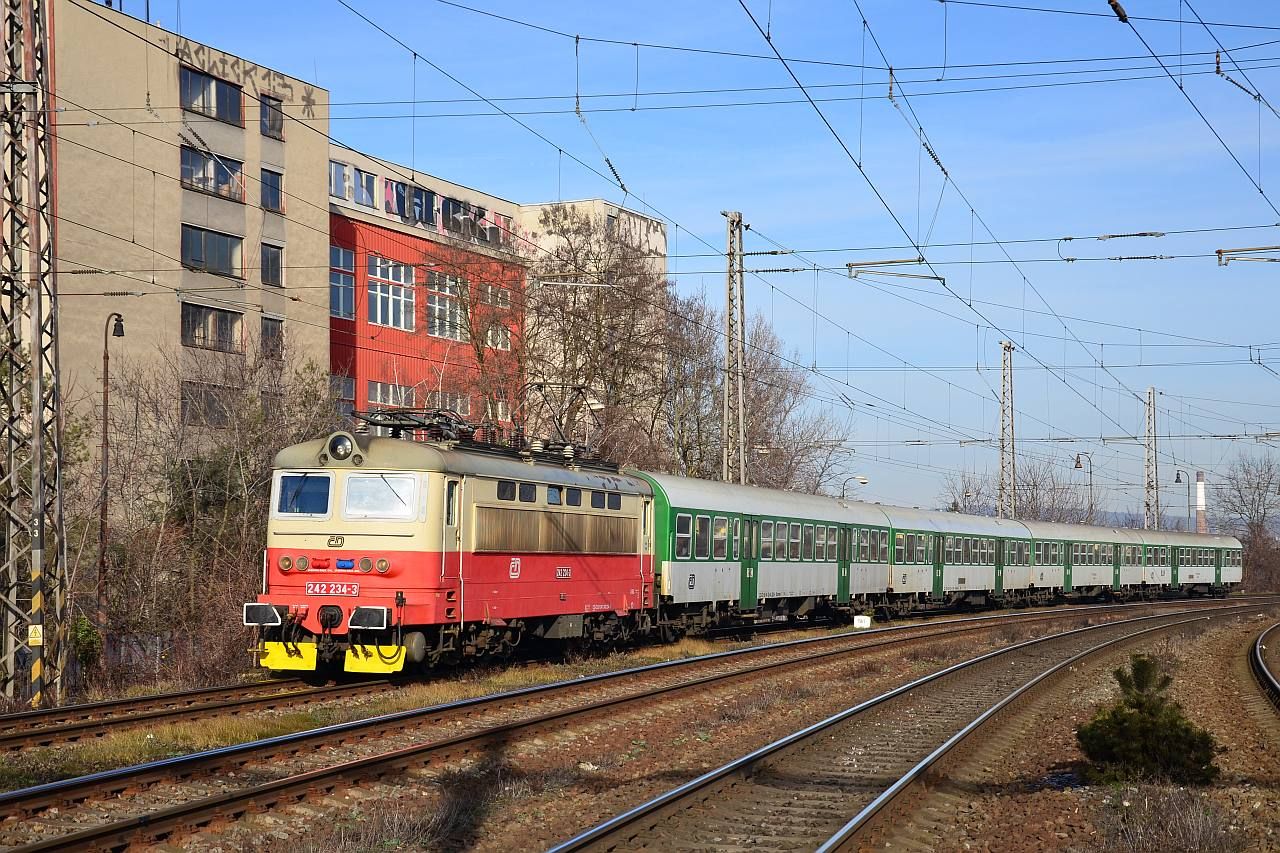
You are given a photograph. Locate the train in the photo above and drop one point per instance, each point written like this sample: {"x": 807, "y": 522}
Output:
{"x": 387, "y": 555}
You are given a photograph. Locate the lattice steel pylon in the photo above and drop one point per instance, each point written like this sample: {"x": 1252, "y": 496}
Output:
{"x": 733, "y": 424}
{"x": 1007, "y": 497}
{"x": 1151, "y": 469}
{"x": 33, "y": 574}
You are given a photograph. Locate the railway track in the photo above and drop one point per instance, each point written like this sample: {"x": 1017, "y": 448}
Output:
{"x": 829, "y": 786}
{"x": 93, "y": 720}
{"x": 1264, "y": 661}
{"x": 156, "y": 800}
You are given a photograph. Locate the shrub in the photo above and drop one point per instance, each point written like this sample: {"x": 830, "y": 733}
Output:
{"x": 1145, "y": 734}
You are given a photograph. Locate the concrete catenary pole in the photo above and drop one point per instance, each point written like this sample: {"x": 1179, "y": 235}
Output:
{"x": 733, "y": 429}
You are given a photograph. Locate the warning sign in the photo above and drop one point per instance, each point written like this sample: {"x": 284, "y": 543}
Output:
{"x": 35, "y": 635}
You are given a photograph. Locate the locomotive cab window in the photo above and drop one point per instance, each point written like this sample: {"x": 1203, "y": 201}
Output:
{"x": 389, "y": 496}
{"x": 528, "y": 492}
{"x": 451, "y": 504}
{"x": 573, "y": 497}
{"x": 506, "y": 490}
{"x": 303, "y": 494}
{"x": 684, "y": 534}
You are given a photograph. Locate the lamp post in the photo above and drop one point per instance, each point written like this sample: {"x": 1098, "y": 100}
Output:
{"x": 114, "y": 328}
{"x": 1177, "y": 478}
{"x": 861, "y": 479}
{"x": 1080, "y": 464}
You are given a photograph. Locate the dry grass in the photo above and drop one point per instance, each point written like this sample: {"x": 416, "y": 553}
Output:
{"x": 1164, "y": 819}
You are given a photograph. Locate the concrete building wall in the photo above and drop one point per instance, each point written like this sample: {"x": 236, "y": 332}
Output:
{"x": 122, "y": 201}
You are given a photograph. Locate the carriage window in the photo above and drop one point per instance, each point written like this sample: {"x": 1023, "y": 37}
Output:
{"x": 808, "y": 542}
{"x": 737, "y": 538}
{"x": 899, "y": 551}
{"x": 528, "y": 492}
{"x": 720, "y": 537}
{"x": 832, "y": 552}
{"x": 303, "y": 494}
{"x": 597, "y": 500}
{"x": 684, "y": 536}
{"x": 701, "y": 537}
{"x": 780, "y": 541}
{"x": 820, "y": 543}
{"x": 766, "y": 540}
{"x": 615, "y": 500}
{"x": 506, "y": 490}
{"x": 553, "y": 495}
{"x": 380, "y": 496}
{"x": 794, "y": 551}
{"x": 573, "y": 497}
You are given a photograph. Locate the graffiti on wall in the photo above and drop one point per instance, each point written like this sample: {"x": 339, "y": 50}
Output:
{"x": 248, "y": 75}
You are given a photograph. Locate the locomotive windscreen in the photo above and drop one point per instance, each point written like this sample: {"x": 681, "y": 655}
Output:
{"x": 304, "y": 494}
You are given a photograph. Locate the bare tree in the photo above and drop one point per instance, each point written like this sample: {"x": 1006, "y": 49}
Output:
{"x": 1043, "y": 494}
{"x": 1247, "y": 504}
{"x": 593, "y": 349}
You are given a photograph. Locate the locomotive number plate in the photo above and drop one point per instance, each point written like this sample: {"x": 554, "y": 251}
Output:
{"x": 332, "y": 588}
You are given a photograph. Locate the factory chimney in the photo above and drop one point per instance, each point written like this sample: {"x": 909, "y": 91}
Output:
{"x": 1202, "y": 520}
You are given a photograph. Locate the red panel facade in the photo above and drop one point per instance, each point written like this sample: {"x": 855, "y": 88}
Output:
{"x": 447, "y": 340}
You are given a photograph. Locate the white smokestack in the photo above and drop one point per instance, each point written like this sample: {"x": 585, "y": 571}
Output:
{"x": 1202, "y": 519}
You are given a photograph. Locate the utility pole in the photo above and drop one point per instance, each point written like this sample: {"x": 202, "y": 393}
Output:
{"x": 1151, "y": 469}
{"x": 33, "y": 573}
{"x": 733, "y": 429}
{"x": 1007, "y": 500}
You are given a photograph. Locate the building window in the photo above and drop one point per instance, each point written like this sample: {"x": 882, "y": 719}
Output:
{"x": 272, "y": 116}
{"x": 205, "y": 404}
{"x": 424, "y": 206}
{"x": 207, "y": 173}
{"x": 211, "y": 328}
{"x": 210, "y": 96}
{"x": 342, "y": 282}
{"x": 496, "y": 295}
{"x": 498, "y": 337}
{"x": 453, "y": 402}
{"x": 273, "y": 191}
{"x": 391, "y": 300}
{"x": 364, "y": 188}
{"x": 386, "y": 394}
{"x": 498, "y": 408}
{"x": 211, "y": 251}
{"x": 343, "y": 389}
{"x": 272, "y": 338}
{"x": 337, "y": 179}
{"x": 444, "y": 310}
{"x": 272, "y": 265}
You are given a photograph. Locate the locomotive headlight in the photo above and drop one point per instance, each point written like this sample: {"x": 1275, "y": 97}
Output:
{"x": 302, "y": 564}
{"x": 340, "y": 447}
{"x": 366, "y": 565}
{"x": 383, "y": 565}
{"x": 286, "y": 563}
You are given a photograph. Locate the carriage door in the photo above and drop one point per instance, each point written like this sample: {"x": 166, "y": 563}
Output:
{"x": 646, "y": 553}
{"x": 750, "y": 563}
{"x": 843, "y": 552}
{"x": 451, "y": 549}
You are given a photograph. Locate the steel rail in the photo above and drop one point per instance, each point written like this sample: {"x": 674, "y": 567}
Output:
{"x": 1267, "y": 680}
{"x": 107, "y": 708}
{"x": 29, "y": 800}
{"x": 95, "y": 728}
{"x": 649, "y": 808}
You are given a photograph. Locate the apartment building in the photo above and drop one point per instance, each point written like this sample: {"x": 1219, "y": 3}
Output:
{"x": 426, "y": 291}
{"x": 191, "y": 199}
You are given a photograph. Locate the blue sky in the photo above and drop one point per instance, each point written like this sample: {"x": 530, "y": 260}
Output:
{"x": 1043, "y": 161}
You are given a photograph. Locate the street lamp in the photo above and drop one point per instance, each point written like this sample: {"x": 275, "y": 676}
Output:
{"x": 1080, "y": 464}
{"x": 1177, "y": 478}
{"x": 861, "y": 479}
{"x": 114, "y": 328}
